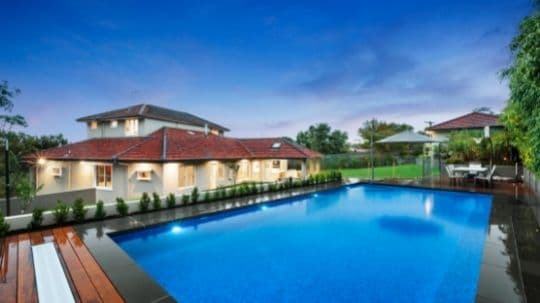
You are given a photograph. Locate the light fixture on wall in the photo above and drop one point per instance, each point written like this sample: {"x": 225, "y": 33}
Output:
{"x": 41, "y": 161}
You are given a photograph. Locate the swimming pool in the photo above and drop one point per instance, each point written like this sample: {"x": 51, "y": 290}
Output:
{"x": 364, "y": 243}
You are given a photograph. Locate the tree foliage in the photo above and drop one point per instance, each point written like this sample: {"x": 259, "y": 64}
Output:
{"x": 7, "y": 121}
{"x": 522, "y": 113}
{"x": 322, "y": 138}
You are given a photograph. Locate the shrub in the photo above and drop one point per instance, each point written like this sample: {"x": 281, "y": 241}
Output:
{"x": 156, "y": 201}
{"x": 4, "y": 226}
{"x": 233, "y": 192}
{"x": 253, "y": 188}
{"x": 206, "y": 196}
{"x": 79, "y": 212}
{"x": 185, "y": 199}
{"x": 121, "y": 207}
{"x": 61, "y": 213}
{"x": 222, "y": 193}
{"x": 37, "y": 219}
{"x": 100, "y": 211}
{"x": 194, "y": 195}
{"x": 144, "y": 202}
{"x": 171, "y": 200}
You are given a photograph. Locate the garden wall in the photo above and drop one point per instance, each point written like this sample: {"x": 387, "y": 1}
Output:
{"x": 48, "y": 201}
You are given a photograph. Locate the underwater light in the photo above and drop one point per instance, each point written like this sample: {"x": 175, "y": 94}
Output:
{"x": 315, "y": 195}
{"x": 176, "y": 229}
{"x": 264, "y": 207}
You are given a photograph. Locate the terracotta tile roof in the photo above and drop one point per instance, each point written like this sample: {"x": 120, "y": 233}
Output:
{"x": 170, "y": 144}
{"x": 471, "y": 120}
{"x": 92, "y": 149}
{"x": 153, "y": 112}
{"x": 262, "y": 148}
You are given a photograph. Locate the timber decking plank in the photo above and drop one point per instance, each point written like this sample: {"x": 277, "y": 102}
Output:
{"x": 102, "y": 283}
{"x": 106, "y": 290}
{"x": 47, "y": 235}
{"x": 8, "y": 285}
{"x": 82, "y": 282}
{"x": 26, "y": 286}
{"x": 36, "y": 238}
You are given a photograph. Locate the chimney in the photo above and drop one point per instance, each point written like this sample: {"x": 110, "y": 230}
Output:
{"x": 206, "y": 129}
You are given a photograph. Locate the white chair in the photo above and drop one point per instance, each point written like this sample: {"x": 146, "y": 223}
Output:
{"x": 487, "y": 179}
{"x": 453, "y": 176}
{"x": 51, "y": 281}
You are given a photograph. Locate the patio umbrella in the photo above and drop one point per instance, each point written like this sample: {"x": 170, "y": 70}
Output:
{"x": 407, "y": 136}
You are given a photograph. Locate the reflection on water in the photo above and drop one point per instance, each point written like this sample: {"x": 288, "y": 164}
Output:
{"x": 409, "y": 226}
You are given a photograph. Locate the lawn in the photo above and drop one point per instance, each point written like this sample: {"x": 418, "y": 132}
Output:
{"x": 405, "y": 171}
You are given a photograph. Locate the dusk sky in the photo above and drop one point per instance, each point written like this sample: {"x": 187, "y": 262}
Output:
{"x": 259, "y": 69}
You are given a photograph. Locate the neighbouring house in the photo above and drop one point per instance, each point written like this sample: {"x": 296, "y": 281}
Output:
{"x": 146, "y": 148}
{"x": 475, "y": 122}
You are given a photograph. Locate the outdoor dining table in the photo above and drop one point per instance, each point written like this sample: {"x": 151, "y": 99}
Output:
{"x": 470, "y": 170}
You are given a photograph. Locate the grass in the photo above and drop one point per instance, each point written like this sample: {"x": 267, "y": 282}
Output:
{"x": 405, "y": 171}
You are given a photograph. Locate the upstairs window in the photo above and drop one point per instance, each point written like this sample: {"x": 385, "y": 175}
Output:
{"x": 276, "y": 145}
{"x": 131, "y": 127}
{"x": 114, "y": 123}
{"x": 104, "y": 176}
{"x": 93, "y": 124}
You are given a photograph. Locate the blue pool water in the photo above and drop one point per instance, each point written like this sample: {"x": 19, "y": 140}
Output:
{"x": 367, "y": 243}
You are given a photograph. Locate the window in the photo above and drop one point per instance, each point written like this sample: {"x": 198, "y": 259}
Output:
{"x": 104, "y": 176}
{"x": 256, "y": 166}
{"x": 93, "y": 124}
{"x": 186, "y": 176}
{"x": 114, "y": 123}
{"x": 144, "y": 175}
{"x": 131, "y": 127}
{"x": 56, "y": 171}
{"x": 243, "y": 170}
{"x": 276, "y": 145}
{"x": 276, "y": 164}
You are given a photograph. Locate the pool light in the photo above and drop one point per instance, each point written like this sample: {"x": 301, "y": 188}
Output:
{"x": 176, "y": 229}
{"x": 264, "y": 207}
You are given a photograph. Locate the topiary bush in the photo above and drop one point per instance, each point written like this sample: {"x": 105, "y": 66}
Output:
{"x": 156, "y": 201}
{"x": 206, "y": 196}
{"x": 100, "y": 211}
{"x": 79, "y": 212}
{"x": 144, "y": 202}
{"x": 185, "y": 199}
{"x": 121, "y": 207}
{"x": 61, "y": 213}
{"x": 4, "y": 226}
{"x": 171, "y": 200}
{"x": 37, "y": 218}
{"x": 195, "y": 195}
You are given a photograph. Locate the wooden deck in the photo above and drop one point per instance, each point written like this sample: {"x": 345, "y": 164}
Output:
{"x": 87, "y": 280}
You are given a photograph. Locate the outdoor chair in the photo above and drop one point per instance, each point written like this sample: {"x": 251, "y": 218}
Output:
{"x": 488, "y": 178}
{"x": 453, "y": 176}
{"x": 52, "y": 284}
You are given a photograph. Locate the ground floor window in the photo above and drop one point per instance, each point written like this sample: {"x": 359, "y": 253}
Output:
{"x": 276, "y": 164}
{"x": 243, "y": 170}
{"x": 104, "y": 176}
{"x": 186, "y": 176}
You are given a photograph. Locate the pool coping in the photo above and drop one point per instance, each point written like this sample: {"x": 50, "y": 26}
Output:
{"x": 128, "y": 277}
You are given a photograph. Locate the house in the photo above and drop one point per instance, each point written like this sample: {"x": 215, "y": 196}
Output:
{"x": 476, "y": 122}
{"x": 146, "y": 148}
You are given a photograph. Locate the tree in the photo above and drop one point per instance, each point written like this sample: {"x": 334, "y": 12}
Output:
{"x": 7, "y": 121}
{"x": 20, "y": 144}
{"x": 322, "y": 138}
{"x": 521, "y": 116}
{"x": 26, "y": 192}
